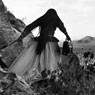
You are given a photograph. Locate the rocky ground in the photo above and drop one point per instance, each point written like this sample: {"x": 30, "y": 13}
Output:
{"x": 69, "y": 79}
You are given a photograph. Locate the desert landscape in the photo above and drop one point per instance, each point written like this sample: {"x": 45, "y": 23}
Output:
{"x": 69, "y": 79}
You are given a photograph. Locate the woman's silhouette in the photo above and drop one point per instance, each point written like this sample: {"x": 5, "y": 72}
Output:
{"x": 42, "y": 53}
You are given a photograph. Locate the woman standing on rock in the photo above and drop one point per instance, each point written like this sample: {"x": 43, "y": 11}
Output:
{"x": 42, "y": 53}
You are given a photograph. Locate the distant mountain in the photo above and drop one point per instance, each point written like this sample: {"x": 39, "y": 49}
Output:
{"x": 86, "y": 43}
{"x": 86, "y": 39}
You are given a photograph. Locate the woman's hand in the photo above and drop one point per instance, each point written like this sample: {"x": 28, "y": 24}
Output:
{"x": 68, "y": 38}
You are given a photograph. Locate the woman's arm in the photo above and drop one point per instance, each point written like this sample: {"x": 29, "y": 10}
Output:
{"x": 28, "y": 28}
{"x": 63, "y": 29}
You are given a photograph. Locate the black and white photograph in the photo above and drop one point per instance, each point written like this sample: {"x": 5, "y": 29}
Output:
{"x": 47, "y": 47}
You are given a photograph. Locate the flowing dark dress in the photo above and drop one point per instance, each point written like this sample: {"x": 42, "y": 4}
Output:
{"x": 42, "y": 53}
{"x": 33, "y": 59}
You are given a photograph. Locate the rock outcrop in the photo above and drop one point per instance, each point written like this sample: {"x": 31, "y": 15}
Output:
{"x": 10, "y": 29}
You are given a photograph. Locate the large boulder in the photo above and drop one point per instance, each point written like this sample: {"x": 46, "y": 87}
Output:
{"x": 10, "y": 29}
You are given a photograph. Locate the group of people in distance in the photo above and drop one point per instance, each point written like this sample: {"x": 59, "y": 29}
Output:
{"x": 43, "y": 53}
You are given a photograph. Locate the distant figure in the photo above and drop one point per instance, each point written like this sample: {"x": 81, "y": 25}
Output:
{"x": 42, "y": 53}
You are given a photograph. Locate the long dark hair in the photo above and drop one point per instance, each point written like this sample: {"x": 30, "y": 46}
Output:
{"x": 49, "y": 16}
{"x": 51, "y": 13}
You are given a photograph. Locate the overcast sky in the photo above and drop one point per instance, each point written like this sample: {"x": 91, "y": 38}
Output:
{"x": 78, "y": 15}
